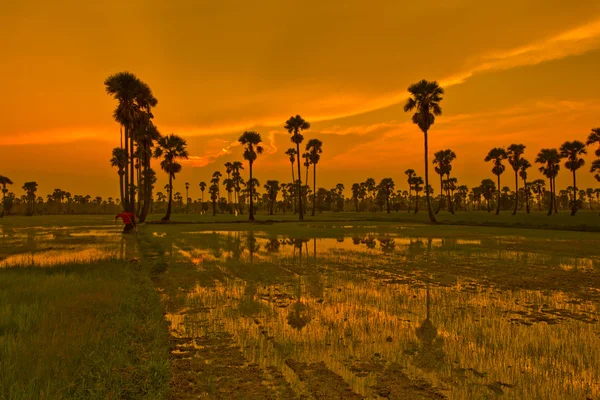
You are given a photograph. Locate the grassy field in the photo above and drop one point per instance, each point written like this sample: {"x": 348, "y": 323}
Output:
{"x": 92, "y": 329}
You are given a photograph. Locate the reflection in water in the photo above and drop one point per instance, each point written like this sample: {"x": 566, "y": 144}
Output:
{"x": 390, "y": 316}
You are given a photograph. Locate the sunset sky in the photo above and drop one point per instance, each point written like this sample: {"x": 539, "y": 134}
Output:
{"x": 523, "y": 71}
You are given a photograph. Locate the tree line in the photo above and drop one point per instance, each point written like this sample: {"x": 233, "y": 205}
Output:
{"x": 141, "y": 141}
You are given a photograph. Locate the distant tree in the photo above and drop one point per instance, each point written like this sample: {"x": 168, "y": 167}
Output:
{"x": 3, "y": 182}
{"x": 443, "y": 165}
{"x": 171, "y": 148}
{"x": 550, "y": 160}
{"x": 295, "y": 126}
{"x": 514, "y": 154}
{"x": 497, "y": 155}
{"x": 251, "y": 140}
{"x": 314, "y": 148}
{"x": 272, "y": 188}
{"x": 409, "y": 173}
{"x": 386, "y": 186}
{"x": 523, "y": 167}
{"x": 30, "y": 188}
{"x": 417, "y": 184}
{"x": 425, "y": 99}
{"x": 488, "y": 187}
{"x": 213, "y": 190}
{"x": 355, "y": 194}
{"x": 573, "y": 151}
{"x": 187, "y": 197}
{"x": 202, "y": 189}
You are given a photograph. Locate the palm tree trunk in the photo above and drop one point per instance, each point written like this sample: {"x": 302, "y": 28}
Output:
{"x": 526, "y": 195}
{"x": 168, "y": 215}
{"x": 417, "y": 203}
{"x": 121, "y": 189}
{"x": 551, "y": 198}
{"x": 251, "y": 195}
{"x": 387, "y": 202}
{"x": 516, "y": 192}
{"x": 125, "y": 201}
{"x": 315, "y": 190}
{"x": 131, "y": 176}
{"x": 214, "y": 204}
{"x": 293, "y": 182}
{"x": 498, "y": 197}
{"x": 574, "y": 208}
{"x": 431, "y": 217}
{"x": 554, "y": 195}
{"x": 409, "y": 196}
{"x": 147, "y": 187}
{"x": 441, "y": 194}
{"x": 300, "y": 209}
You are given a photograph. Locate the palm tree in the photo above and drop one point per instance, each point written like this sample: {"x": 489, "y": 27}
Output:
{"x": 187, "y": 197}
{"x": 417, "y": 184}
{"x": 524, "y": 166}
{"x": 171, "y": 148}
{"x": 550, "y": 160}
{"x": 410, "y": 173}
{"x": 514, "y": 153}
{"x": 387, "y": 188}
{"x": 443, "y": 165}
{"x": 251, "y": 140}
{"x": 135, "y": 100}
{"x": 30, "y": 188}
{"x": 214, "y": 196}
{"x": 202, "y": 189}
{"x": 426, "y": 98}
{"x": 594, "y": 138}
{"x": 291, "y": 152}
{"x": 355, "y": 194}
{"x": 496, "y": 155}
{"x": 4, "y": 181}
{"x": 314, "y": 147}
{"x": 119, "y": 160}
{"x": 572, "y": 152}
{"x": 272, "y": 188}
{"x": 228, "y": 170}
{"x": 487, "y": 189}
{"x": 216, "y": 178}
{"x": 295, "y": 126}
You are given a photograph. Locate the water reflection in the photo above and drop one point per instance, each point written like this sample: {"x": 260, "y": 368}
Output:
{"x": 392, "y": 316}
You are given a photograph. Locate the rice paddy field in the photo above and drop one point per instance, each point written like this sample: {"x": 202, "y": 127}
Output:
{"x": 329, "y": 308}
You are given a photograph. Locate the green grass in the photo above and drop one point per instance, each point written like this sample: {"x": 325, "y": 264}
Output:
{"x": 89, "y": 331}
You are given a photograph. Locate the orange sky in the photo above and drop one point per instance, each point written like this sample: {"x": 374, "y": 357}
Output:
{"x": 521, "y": 71}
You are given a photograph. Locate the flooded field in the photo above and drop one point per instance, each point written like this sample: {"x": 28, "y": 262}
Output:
{"x": 398, "y": 312}
{"x": 380, "y": 315}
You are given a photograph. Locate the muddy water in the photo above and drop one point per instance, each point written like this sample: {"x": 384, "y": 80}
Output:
{"x": 380, "y": 316}
{"x": 50, "y": 246}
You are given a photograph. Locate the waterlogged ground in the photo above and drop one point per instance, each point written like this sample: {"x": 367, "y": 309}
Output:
{"x": 399, "y": 313}
{"x": 332, "y": 311}
{"x": 48, "y": 246}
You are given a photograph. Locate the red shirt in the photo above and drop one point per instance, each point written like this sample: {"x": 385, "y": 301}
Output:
{"x": 128, "y": 217}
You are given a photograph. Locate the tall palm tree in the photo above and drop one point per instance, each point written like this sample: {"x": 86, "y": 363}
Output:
{"x": 295, "y": 126}
{"x": 251, "y": 140}
{"x": 417, "y": 184}
{"x": 572, "y": 152}
{"x": 386, "y": 186}
{"x": 291, "y": 153}
{"x": 497, "y": 155}
{"x": 550, "y": 160}
{"x": 514, "y": 153}
{"x": 355, "y": 194}
{"x": 443, "y": 166}
{"x": 409, "y": 173}
{"x": 314, "y": 147}
{"x": 228, "y": 170}
{"x": 594, "y": 139}
{"x": 524, "y": 166}
{"x": 171, "y": 148}
{"x": 4, "y": 181}
{"x": 133, "y": 112}
{"x": 425, "y": 99}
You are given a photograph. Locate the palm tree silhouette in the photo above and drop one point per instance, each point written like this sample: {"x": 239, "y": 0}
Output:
{"x": 295, "y": 126}
{"x": 291, "y": 152}
{"x": 410, "y": 173}
{"x": 4, "y": 181}
{"x": 487, "y": 188}
{"x": 524, "y": 166}
{"x": 594, "y": 139}
{"x": 355, "y": 194}
{"x": 252, "y": 141}
{"x": 426, "y": 98}
{"x": 514, "y": 153}
{"x": 30, "y": 188}
{"x": 572, "y": 152}
{"x": 443, "y": 165}
{"x": 119, "y": 160}
{"x": 171, "y": 148}
{"x": 202, "y": 189}
{"x": 314, "y": 147}
{"x": 497, "y": 154}
{"x": 417, "y": 184}
{"x": 387, "y": 187}
{"x": 228, "y": 170}
{"x": 187, "y": 197}
{"x": 550, "y": 160}
{"x": 272, "y": 188}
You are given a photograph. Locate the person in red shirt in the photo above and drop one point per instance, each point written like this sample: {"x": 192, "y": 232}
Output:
{"x": 128, "y": 219}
